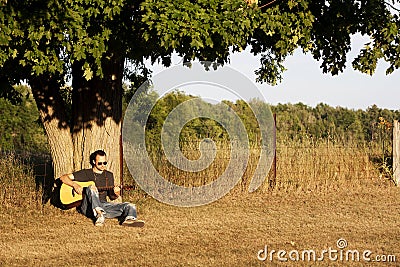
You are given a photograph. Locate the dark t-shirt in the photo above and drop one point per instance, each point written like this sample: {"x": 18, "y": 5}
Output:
{"x": 104, "y": 182}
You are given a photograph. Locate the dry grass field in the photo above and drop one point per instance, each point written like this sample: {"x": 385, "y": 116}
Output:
{"x": 229, "y": 232}
{"x": 306, "y": 212}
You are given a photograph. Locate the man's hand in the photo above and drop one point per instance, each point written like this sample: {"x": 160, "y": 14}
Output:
{"x": 117, "y": 190}
{"x": 77, "y": 188}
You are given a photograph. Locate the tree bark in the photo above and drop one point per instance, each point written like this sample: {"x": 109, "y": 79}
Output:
{"x": 97, "y": 115}
{"x": 46, "y": 91}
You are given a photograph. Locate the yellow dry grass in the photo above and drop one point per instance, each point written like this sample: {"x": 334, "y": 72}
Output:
{"x": 310, "y": 166}
{"x": 229, "y": 232}
{"x": 301, "y": 166}
{"x": 304, "y": 211}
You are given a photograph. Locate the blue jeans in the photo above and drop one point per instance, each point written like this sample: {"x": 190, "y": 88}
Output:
{"x": 91, "y": 202}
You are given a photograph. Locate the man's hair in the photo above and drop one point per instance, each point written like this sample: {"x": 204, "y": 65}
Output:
{"x": 93, "y": 156}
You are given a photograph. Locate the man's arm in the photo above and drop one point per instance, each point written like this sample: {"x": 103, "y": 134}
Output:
{"x": 116, "y": 191}
{"x": 68, "y": 179}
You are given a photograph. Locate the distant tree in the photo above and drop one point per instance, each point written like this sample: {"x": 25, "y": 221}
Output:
{"x": 21, "y": 129}
{"x": 333, "y": 123}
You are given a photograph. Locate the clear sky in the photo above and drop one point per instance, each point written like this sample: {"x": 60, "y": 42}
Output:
{"x": 304, "y": 82}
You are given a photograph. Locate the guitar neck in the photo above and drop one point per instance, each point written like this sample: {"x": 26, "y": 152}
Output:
{"x": 104, "y": 188}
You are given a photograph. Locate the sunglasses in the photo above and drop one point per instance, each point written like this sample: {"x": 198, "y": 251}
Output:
{"x": 102, "y": 163}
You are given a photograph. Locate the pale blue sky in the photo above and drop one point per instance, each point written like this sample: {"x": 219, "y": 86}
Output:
{"x": 304, "y": 82}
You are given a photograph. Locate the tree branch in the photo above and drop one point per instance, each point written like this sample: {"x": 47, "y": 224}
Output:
{"x": 268, "y": 4}
{"x": 392, "y": 6}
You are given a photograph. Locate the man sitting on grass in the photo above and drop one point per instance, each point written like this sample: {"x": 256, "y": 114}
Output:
{"x": 94, "y": 204}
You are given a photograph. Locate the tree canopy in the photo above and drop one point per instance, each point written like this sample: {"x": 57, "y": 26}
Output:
{"x": 47, "y": 36}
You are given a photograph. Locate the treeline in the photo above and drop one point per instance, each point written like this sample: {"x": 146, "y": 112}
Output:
{"x": 293, "y": 121}
{"x": 21, "y": 128}
{"x": 298, "y": 121}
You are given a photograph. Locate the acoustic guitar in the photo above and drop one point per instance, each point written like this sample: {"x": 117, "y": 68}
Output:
{"x": 70, "y": 198}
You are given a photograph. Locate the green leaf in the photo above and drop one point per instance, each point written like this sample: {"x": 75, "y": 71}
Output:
{"x": 88, "y": 73}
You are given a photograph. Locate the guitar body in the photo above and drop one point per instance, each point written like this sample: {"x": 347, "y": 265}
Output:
{"x": 69, "y": 198}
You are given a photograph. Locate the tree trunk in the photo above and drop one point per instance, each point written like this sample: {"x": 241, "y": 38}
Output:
{"x": 96, "y": 118}
{"x": 46, "y": 91}
{"x": 97, "y": 115}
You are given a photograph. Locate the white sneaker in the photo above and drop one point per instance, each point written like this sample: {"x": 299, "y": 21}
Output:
{"x": 99, "y": 219}
{"x": 132, "y": 222}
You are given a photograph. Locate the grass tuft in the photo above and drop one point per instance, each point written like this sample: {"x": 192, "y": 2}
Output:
{"x": 18, "y": 187}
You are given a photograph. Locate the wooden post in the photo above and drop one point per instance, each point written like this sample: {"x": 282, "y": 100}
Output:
{"x": 272, "y": 181}
{"x": 396, "y": 152}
